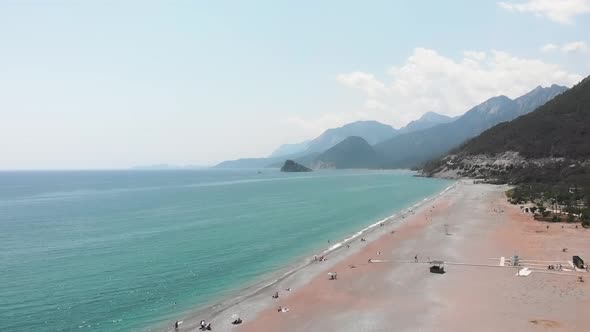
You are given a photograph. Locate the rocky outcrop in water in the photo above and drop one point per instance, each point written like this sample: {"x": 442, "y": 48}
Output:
{"x": 291, "y": 166}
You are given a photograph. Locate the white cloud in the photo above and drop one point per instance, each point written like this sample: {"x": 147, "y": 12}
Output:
{"x": 313, "y": 126}
{"x": 375, "y": 104}
{"x": 575, "y": 47}
{"x": 549, "y": 48}
{"x": 363, "y": 81}
{"x": 475, "y": 55}
{"x": 428, "y": 81}
{"x": 560, "y": 11}
{"x": 568, "y": 48}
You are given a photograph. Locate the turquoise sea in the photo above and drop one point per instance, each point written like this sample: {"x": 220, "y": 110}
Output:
{"x": 127, "y": 250}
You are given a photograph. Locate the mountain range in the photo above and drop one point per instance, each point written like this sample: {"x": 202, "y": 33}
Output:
{"x": 370, "y": 144}
{"x": 339, "y": 156}
{"x": 549, "y": 145}
{"x": 305, "y": 152}
{"x": 415, "y": 148}
{"x": 428, "y": 120}
{"x": 371, "y": 131}
{"x": 289, "y": 149}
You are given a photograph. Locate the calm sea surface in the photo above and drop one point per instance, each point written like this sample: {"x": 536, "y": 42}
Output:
{"x": 124, "y": 250}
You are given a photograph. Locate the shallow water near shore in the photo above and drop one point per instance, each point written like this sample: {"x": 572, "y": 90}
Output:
{"x": 121, "y": 250}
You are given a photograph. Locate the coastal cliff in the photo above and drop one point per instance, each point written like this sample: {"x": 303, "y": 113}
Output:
{"x": 548, "y": 145}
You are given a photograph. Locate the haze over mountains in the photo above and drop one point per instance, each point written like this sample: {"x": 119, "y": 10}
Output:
{"x": 289, "y": 149}
{"x": 371, "y": 131}
{"x": 305, "y": 152}
{"x": 339, "y": 156}
{"x": 428, "y": 120}
{"x": 370, "y": 144}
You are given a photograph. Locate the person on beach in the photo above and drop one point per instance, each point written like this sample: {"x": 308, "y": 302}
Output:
{"x": 416, "y": 258}
{"x": 276, "y": 295}
{"x": 176, "y": 326}
{"x": 203, "y": 324}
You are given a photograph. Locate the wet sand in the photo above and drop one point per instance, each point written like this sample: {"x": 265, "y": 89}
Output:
{"x": 468, "y": 224}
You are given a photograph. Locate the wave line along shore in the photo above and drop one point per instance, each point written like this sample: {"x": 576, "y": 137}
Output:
{"x": 265, "y": 285}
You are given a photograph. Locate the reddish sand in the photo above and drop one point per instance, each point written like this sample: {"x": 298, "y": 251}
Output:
{"x": 405, "y": 296}
{"x": 471, "y": 223}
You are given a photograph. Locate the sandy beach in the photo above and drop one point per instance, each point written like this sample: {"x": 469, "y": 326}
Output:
{"x": 470, "y": 226}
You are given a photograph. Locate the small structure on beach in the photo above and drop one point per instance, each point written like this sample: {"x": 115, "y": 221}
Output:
{"x": 578, "y": 262}
{"x": 437, "y": 267}
{"x": 236, "y": 320}
{"x": 515, "y": 260}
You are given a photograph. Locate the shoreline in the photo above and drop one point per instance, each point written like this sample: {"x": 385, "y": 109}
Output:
{"x": 213, "y": 312}
{"x": 469, "y": 225}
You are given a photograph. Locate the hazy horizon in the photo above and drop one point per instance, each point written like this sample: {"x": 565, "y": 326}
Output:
{"x": 97, "y": 85}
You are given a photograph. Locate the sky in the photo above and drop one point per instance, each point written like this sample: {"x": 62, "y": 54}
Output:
{"x": 117, "y": 84}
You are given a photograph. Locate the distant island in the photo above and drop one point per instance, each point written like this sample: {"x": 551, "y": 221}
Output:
{"x": 291, "y": 166}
